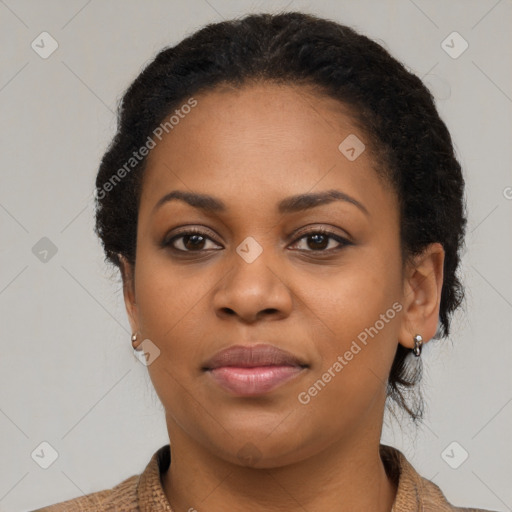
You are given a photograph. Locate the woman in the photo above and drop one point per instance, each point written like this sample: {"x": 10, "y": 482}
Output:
{"x": 286, "y": 211}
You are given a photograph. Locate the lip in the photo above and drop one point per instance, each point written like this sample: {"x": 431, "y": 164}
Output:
{"x": 253, "y": 370}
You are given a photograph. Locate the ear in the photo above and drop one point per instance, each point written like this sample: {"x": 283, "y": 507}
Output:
{"x": 128, "y": 275}
{"x": 422, "y": 295}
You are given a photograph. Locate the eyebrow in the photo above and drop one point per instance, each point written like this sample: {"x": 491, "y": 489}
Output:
{"x": 290, "y": 204}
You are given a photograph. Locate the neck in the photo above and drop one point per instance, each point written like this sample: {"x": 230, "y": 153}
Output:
{"x": 348, "y": 475}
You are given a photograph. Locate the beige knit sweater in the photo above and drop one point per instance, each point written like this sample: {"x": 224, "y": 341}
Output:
{"x": 144, "y": 492}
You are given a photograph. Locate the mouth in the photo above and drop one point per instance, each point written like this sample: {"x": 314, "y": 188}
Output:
{"x": 253, "y": 370}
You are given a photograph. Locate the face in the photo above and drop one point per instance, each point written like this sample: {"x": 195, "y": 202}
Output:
{"x": 321, "y": 279}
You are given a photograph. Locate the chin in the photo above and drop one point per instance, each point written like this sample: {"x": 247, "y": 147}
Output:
{"x": 270, "y": 448}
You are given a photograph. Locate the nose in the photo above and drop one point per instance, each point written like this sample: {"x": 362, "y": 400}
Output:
{"x": 253, "y": 291}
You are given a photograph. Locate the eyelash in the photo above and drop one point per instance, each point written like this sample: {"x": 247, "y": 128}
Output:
{"x": 317, "y": 231}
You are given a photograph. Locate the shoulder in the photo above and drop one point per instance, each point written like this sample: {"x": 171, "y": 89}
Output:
{"x": 121, "y": 497}
{"x": 415, "y": 493}
{"x": 433, "y": 500}
{"x": 137, "y": 492}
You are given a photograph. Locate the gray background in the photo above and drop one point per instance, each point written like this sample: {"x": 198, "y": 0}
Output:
{"x": 67, "y": 373}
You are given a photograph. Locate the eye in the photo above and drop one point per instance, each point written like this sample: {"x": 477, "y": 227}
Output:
{"x": 195, "y": 240}
{"x": 192, "y": 240}
{"x": 319, "y": 240}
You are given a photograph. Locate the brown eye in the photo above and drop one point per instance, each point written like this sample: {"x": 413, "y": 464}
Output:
{"x": 318, "y": 241}
{"x": 190, "y": 241}
{"x": 321, "y": 240}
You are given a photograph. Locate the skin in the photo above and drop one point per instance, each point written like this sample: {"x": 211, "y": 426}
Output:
{"x": 251, "y": 148}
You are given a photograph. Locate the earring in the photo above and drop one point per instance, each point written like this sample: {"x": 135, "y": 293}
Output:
{"x": 134, "y": 340}
{"x": 418, "y": 342}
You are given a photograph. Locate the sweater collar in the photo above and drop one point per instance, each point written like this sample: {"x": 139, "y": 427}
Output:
{"x": 410, "y": 496}
{"x": 150, "y": 493}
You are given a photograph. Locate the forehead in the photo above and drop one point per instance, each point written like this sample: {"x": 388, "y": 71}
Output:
{"x": 281, "y": 117}
{"x": 278, "y": 138}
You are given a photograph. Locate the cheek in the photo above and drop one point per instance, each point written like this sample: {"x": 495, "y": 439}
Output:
{"x": 359, "y": 310}
{"x": 171, "y": 302}
{"x": 352, "y": 296}
{"x": 166, "y": 293}
{"x": 356, "y": 352}
{"x": 172, "y": 316}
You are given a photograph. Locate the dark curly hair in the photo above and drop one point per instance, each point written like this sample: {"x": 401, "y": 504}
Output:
{"x": 392, "y": 106}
